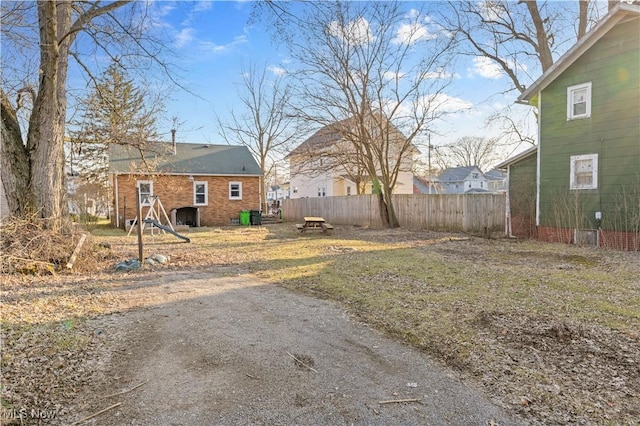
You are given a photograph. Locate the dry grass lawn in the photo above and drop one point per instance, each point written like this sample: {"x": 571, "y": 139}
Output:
{"x": 551, "y": 331}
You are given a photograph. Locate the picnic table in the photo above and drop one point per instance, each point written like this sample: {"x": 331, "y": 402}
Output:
{"x": 314, "y": 222}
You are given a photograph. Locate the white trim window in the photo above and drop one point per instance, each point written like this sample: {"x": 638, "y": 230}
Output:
{"x": 584, "y": 172}
{"x": 235, "y": 190}
{"x": 146, "y": 191}
{"x": 200, "y": 193}
{"x": 322, "y": 192}
{"x": 579, "y": 101}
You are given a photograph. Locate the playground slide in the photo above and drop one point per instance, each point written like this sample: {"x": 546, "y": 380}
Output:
{"x": 166, "y": 228}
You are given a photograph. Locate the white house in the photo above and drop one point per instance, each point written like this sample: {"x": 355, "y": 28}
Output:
{"x": 460, "y": 180}
{"x": 326, "y": 165}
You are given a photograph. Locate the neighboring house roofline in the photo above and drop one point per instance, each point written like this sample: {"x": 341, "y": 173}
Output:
{"x": 615, "y": 16}
{"x": 457, "y": 174}
{"x": 163, "y": 173}
{"x": 330, "y": 134}
{"x": 184, "y": 159}
{"x": 518, "y": 157}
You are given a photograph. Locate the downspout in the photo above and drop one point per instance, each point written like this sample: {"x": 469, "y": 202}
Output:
{"x": 509, "y": 229}
{"x": 115, "y": 185}
{"x": 538, "y": 155}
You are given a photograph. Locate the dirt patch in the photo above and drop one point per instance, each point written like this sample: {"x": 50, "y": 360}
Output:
{"x": 216, "y": 349}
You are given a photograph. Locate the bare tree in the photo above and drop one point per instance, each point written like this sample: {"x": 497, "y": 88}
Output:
{"x": 521, "y": 39}
{"x": 47, "y": 34}
{"x": 377, "y": 67}
{"x": 471, "y": 151}
{"x": 265, "y": 126}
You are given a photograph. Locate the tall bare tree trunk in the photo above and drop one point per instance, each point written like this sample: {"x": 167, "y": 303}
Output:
{"x": 583, "y": 16}
{"x": 384, "y": 212}
{"x": 390, "y": 211}
{"x": 544, "y": 51}
{"x": 45, "y": 139}
{"x": 14, "y": 162}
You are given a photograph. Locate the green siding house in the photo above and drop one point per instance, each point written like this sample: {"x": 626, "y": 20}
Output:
{"x": 588, "y": 154}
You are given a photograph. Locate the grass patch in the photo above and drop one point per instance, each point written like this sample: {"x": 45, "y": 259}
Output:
{"x": 546, "y": 328}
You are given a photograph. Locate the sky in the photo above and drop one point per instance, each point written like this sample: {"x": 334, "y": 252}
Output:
{"x": 216, "y": 39}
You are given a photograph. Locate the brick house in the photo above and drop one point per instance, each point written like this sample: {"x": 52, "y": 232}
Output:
{"x": 198, "y": 185}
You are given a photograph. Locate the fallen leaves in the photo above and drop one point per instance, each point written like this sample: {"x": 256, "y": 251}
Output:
{"x": 550, "y": 330}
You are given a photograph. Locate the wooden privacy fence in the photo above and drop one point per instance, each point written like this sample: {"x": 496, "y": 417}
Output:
{"x": 449, "y": 212}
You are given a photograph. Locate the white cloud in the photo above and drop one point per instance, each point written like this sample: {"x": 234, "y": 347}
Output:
{"x": 413, "y": 13}
{"x": 279, "y": 71}
{"x": 356, "y": 32}
{"x": 448, "y": 104}
{"x": 184, "y": 37}
{"x": 389, "y": 75}
{"x": 220, "y": 48}
{"x": 411, "y": 33}
{"x": 485, "y": 67}
{"x": 491, "y": 10}
{"x": 202, "y": 6}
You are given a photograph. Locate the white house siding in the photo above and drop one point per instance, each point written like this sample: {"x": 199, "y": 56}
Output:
{"x": 304, "y": 186}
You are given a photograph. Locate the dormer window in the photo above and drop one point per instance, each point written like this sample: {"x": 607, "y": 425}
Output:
{"x": 579, "y": 101}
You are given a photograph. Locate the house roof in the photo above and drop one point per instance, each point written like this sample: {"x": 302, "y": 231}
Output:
{"x": 457, "y": 174}
{"x": 226, "y": 160}
{"x": 621, "y": 12}
{"x": 324, "y": 137}
{"x": 421, "y": 186}
{"x": 495, "y": 174}
{"x": 518, "y": 157}
{"x": 331, "y": 134}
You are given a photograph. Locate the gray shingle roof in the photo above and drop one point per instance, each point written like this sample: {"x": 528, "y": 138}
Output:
{"x": 456, "y": 174}
{"x": 324, "y": 137}
{"x": 189, "y": 158}
{"x": 330, "y": 134}
{"x": 495, "y": 174}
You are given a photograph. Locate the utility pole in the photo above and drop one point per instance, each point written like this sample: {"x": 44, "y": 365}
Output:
{"x": 429, "y": 159}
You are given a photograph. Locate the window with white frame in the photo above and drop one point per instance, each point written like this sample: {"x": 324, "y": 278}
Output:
{"x": 235, "y": 190}
{"x": 579, "y": 101}
{"x": 321, "y": 192}
{"x": 145, "y": 187}
{"x": 584, "y": 172}
{"x": 200, "y": 193}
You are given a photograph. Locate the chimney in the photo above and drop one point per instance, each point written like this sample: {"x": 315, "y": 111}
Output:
{"x": 173, "y": 140}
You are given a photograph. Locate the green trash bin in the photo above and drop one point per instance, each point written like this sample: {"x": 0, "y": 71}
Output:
{"x": 245, "y": 217}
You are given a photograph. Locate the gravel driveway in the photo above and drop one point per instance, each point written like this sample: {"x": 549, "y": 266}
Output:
{"x": 224, "y": 348}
